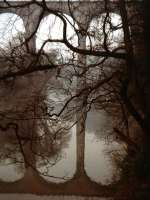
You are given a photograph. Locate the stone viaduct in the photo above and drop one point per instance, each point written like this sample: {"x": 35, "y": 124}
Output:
{"x": 84, "y": 12}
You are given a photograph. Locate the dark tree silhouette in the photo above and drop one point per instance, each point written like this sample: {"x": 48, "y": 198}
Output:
{"x": 100, "y": 75}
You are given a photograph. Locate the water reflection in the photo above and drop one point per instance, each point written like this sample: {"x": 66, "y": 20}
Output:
{"x": 65, "y": 167}
{"x": 11, "y": 172}
{"x": 98, "y": 165}
{"x": 11, "y": 161}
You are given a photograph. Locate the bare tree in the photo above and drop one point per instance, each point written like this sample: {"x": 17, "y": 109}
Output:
{"x": 102, "y": 75}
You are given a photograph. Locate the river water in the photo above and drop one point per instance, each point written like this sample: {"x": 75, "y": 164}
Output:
{"x": 97, "y": 162}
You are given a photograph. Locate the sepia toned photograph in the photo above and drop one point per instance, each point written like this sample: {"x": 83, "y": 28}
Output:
{"x": 74, "y": 99}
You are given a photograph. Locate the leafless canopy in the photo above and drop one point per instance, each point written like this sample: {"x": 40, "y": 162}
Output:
{"x": 46, "y": 90}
